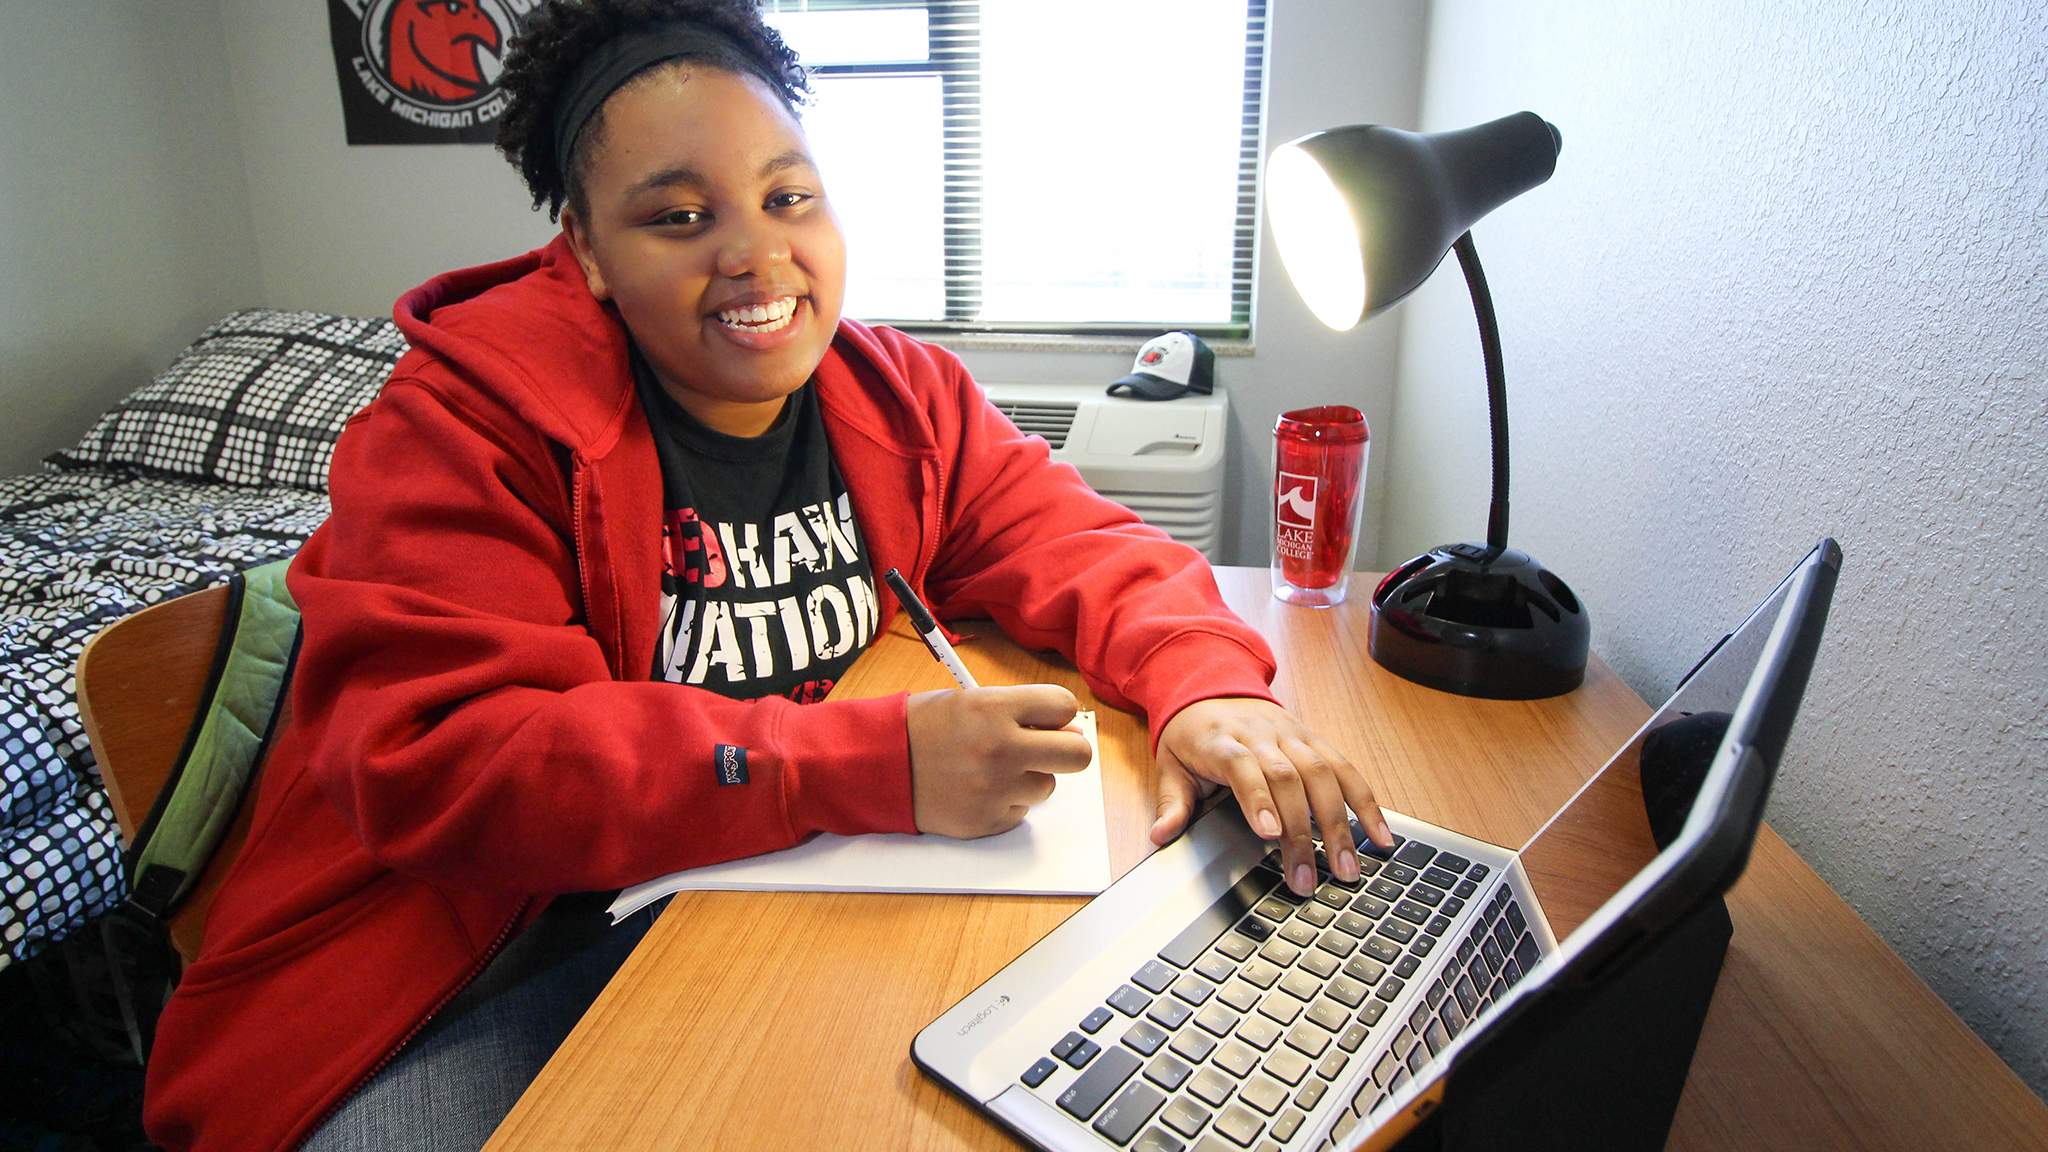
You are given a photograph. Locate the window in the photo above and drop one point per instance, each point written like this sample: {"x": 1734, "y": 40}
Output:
{"x": 1039, "y": 165}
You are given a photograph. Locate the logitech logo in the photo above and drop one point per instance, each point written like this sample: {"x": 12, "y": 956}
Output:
{"x": 984, "y": 1014}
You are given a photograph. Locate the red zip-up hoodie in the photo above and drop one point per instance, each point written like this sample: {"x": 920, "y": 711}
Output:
{"x": 474, "y": 724}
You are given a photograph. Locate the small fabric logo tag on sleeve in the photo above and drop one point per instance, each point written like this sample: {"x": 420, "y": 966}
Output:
{"x": 730, "y": 762}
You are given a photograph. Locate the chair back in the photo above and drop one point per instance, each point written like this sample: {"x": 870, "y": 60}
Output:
{"x": 141, "y": 681}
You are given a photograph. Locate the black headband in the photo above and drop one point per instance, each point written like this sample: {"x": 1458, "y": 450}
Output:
{"x": 604, "y": 71}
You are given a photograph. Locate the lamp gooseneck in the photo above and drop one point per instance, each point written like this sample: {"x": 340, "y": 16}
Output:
{"x": 1496, "y": 390}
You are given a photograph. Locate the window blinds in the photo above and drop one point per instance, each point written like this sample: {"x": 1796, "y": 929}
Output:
{"x": 1079, "y": 166}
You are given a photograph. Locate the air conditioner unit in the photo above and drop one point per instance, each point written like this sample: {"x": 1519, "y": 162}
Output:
{"x": 1162, "y": 459}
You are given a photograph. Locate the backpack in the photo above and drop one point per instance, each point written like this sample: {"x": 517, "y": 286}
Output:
{"x": 224, "y": 747}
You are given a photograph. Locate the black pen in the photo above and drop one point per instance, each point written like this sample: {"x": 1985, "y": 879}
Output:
{"x": 921, "y": 620}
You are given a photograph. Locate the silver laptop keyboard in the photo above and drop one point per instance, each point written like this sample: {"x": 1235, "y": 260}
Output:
{"x": 1232, "y": 1036}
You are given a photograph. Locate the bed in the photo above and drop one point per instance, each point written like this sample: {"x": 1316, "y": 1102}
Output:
{"x": 217, "y": 464}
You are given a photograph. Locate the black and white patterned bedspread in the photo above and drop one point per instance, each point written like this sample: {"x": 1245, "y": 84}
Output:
{"x": 79, "y": 550}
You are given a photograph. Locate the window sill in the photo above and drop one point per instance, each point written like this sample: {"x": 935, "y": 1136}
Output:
{"x": 1039, "y": 342}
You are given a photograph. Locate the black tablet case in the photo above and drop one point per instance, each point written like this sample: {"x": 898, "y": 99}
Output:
{"x": 1601, "y": 1063}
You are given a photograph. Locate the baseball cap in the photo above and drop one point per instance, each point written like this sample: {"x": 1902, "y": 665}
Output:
{"x": 1169, "y": 366}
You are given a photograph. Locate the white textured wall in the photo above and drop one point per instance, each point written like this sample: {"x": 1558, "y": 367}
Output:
{"x": 1791, "y": 278}
{"x": 124, "y": 220}
{"x": 347, "y": 229}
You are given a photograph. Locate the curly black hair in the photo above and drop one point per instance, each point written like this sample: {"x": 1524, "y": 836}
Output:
{"x": 561, "y": 33}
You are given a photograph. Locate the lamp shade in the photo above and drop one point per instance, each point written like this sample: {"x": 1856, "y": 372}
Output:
{"x": 1363, "y": 214}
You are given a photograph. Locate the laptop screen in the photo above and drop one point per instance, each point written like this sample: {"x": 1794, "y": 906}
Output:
{"x": 1604, "y": 836}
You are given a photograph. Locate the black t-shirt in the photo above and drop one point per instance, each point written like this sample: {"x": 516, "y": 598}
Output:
{"x": 765, "y": 587}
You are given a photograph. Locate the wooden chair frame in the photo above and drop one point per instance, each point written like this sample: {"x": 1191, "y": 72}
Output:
{"x": 140, "y": 681}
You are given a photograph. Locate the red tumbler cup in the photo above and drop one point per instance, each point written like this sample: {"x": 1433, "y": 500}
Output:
{"x": 1318, "y": 495}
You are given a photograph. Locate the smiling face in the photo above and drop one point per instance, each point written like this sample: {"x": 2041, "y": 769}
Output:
{"x": 708, "y": 229}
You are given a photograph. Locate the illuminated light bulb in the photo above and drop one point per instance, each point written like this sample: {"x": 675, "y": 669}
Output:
{"x": 1317, "y": 237}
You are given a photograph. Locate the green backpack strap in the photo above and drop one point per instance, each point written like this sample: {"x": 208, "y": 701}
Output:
{"x": 252, "y": 667}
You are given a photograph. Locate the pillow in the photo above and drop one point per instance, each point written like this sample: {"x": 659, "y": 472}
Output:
{"x": 258, "y": 399}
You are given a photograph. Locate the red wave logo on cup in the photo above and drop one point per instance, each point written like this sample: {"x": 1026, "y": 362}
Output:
{"x": 1297, "y": 495}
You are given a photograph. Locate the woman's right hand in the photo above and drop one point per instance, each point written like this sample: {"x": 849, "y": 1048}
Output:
{"x": 981, "y": 757}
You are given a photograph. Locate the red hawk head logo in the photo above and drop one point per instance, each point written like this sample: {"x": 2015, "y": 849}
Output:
{"x": 431, "y": 46}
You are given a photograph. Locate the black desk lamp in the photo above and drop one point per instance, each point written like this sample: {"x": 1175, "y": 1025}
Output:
{"x": 1362, "y": 216}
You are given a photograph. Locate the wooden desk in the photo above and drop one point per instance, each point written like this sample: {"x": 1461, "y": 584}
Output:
{"x": 750, "y": 1021}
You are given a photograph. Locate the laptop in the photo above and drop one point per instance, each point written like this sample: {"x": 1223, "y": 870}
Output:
{"x": 1198, "y": 1003}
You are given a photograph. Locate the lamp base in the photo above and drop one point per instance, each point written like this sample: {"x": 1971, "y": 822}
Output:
{"x": 1470, "y": 620}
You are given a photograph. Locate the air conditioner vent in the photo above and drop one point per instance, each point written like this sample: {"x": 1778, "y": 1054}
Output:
{"x": 1051, "y": 420}
{"x": 1163, "y": 460}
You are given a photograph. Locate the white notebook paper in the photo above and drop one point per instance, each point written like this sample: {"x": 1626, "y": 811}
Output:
{"x": 1061, "y": 849}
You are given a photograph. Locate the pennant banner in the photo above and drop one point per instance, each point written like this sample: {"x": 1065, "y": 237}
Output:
{"x": 422, "y": 71}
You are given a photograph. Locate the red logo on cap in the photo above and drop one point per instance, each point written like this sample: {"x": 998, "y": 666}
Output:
{"x": 1152, "y": 356}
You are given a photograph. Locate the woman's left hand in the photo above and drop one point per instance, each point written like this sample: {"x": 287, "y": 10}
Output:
{"x": 1282, "y": 773}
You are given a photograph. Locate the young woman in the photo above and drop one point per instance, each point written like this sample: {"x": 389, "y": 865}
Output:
{"x": 598, "y": 551}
